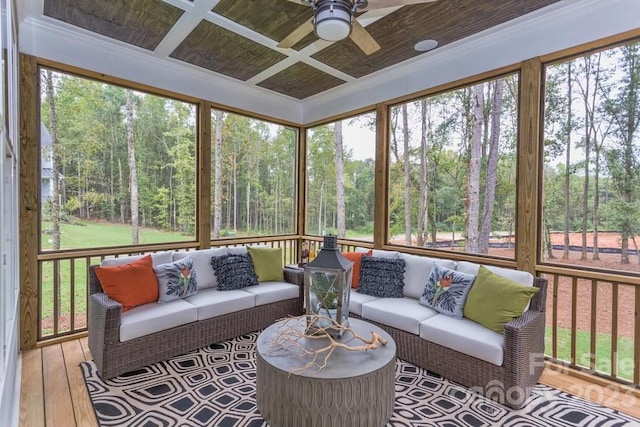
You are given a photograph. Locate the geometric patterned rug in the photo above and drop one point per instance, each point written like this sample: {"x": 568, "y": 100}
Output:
{"x": 215, "y": 386}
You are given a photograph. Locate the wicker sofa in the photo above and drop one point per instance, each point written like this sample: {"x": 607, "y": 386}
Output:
{"x": 503, "y": 367}
{"x": 123, "y": 342}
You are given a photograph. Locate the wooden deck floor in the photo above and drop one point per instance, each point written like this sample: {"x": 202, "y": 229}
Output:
{"x": 54, "y": 394}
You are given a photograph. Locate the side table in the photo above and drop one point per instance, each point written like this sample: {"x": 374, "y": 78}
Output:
{"x": 356, "y": 388}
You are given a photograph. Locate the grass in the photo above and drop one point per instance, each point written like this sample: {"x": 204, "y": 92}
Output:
{"x": 88, "y": 234}
{"x": 603, "y": 356}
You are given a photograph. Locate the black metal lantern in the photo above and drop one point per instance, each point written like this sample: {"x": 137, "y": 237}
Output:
{"x": 327, "y": 283}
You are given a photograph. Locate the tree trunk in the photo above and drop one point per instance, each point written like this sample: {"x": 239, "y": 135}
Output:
{"x": 217, "y": 175}
{"x": 133, "y": 177}
{"x": 340, "y": 208}
{"x": 491, "y": 180}
{"x": 423, "y": 185}
{"x": 122, "y": 193}
{"x": 55, "y": 176}
{"x": 473, "y": 184}
{"x": 587, "y": 161}
{"x": 567, "y": 163}
{"x": 407, "y": 176}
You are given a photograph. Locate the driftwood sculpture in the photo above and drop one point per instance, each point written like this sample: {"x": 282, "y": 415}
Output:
{"x": 291, "y": 337}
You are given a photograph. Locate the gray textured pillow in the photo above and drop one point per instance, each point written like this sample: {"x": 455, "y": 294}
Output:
{"x": 234, "y": 271}
{"x": 176, "y": 280}
{"x": 381, "y": 277}
{"x": 446, "y": 291}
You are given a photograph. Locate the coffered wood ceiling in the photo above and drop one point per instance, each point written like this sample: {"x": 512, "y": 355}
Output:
{"x": 238, "y": 38}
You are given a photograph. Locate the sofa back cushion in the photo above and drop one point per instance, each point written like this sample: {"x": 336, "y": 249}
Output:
{"x": 202, "y": 265}
{"x": 518, "y": 276}
{"x": 176, "y": 280}
{"x": 417, "y": 271}
{"x": 156, "y": 259}
{"x": 130, "y": 284}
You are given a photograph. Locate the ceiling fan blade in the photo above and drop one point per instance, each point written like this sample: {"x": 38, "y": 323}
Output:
{"x": 380, "y": 4}
{"x": 296, "y": 35}
{"x": 299, "y": 2}
{"x": 363, "y": 39}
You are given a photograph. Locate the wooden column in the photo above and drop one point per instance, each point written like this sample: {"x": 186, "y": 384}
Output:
{"x": 529, "y": 154}
{"x": 381, "y": 193}
{"x": 28, "y": 211}
{"x": 301, "y": 188}
{"x": 203, "y": 150}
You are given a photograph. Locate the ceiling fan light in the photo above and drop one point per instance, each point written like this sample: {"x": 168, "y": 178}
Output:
{"x": 332, "y": 20}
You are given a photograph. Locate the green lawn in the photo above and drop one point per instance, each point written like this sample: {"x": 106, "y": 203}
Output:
{"x": 603, "y": 351}
{"x": 87, "y": 234}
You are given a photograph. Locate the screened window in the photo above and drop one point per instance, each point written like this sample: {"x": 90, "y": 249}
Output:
{"x": 453, "y": 169}
{"x": 253, "y": 176}
{"x": 340, "y": 178}
{"x": 592, "y": 160}
{"x": 117, "y": 166}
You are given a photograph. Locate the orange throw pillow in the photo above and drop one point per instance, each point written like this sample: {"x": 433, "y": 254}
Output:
{"x": 356, "y": 258}
{"x": 131, "y": 284}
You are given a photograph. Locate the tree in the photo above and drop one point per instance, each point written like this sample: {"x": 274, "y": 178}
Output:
{"x": 55, "y": 175}
{"x": 623, "y": 109}
{"x": 475, "y": 158}
{"x": 340, "y": 201}
{"x": 423, "y": 199}
{"x": 491, "y": 174}
{"x": 407, "y": 175}
{"x": 133, "y": 179}
{"x": 217, "y": 174}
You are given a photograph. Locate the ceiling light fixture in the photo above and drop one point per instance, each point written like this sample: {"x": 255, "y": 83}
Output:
{"x": 425, "y": 45}
{"x": 332, "y": 18}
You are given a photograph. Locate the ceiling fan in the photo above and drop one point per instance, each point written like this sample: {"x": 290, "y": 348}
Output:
{"x": 335, "y": 20}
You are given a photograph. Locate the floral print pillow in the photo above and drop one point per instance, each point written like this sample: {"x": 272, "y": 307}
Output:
{"x": 446, "y": 291}
{"x": 176, "y": 280}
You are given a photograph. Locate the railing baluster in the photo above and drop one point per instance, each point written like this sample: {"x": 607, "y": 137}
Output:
{"x": 636, "y": 342}
{"x": 72, "y": 294}
{"x": 574, "y": 319}
{"x": 56, "y": 296}
{"x": 594, "y": 326}
{"x": 614, "y": 329}
{"x": 554, "y": 314}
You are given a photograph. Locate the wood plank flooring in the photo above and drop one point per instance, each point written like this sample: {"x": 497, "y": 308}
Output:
{"x": 53, "y": 392}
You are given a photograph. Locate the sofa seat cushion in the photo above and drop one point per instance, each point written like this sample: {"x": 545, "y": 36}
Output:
{"x": 149, "y": 318}
{"x": 465, "y": 336}
{"x": 213, "y": 303}
{"x": 400, "y": 313}
{"x": 268, "y": 292}
{"x": 356, "y": 299}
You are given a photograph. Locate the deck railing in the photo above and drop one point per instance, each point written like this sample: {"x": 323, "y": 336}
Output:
{"x": 593, "y": 318}
{"x": 63, "y": 279}
{"x": 593, "y": 323}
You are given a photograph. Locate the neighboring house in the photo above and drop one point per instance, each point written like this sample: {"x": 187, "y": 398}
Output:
{"x": 46, "y": 164}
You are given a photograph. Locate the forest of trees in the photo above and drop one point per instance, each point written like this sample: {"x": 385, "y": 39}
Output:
{"x": 127, "y": 157}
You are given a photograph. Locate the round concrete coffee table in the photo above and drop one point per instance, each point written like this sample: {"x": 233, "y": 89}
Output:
{"x": 356, "y": 388}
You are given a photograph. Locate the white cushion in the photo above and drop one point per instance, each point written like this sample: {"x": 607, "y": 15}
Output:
{"x": 149, "y": 318}
{"x": 465, "y": 336}
{"x": 212, "y": 302}
{"x": 356, "y": 299}
{"x": 381, "y": 253}
{"x": 417, "y": 271}
{"x": 268, "y": 292}
{"x": 156, "y": 259}
{"x": 205, "y": 276}
{"x": 400, "y": 313}
{"x": 519, "y": 276}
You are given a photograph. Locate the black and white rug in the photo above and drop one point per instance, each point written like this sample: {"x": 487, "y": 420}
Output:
{"x": 215, "y": 386}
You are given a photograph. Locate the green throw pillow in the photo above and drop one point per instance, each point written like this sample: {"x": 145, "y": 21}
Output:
{"x": 267, "y": 262}
{"x": 495, "y": 300}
